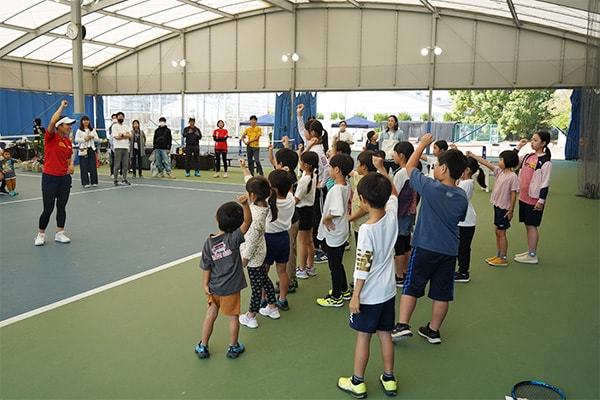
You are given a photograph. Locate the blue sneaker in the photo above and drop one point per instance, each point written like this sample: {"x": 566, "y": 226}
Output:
{"x": 235, "y": 351}
{"x": 201, "y": 350}
{"x": 197, "y": 173}
{"x": 187, "y": 174}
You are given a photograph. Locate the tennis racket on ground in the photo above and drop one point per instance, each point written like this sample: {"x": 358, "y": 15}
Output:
{"x": 535, "y": 390}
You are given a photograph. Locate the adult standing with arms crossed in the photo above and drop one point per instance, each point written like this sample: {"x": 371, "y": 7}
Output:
{"x": 56, "y": 175}
{"x": 192, "y": 136}
{"x": 121, "y": 135}
{"x": 251, "y": 138}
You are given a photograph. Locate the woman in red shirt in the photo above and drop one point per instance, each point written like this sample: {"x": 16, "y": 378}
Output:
{"x": 56, "y": 174}
{"x": 220, "y": 136}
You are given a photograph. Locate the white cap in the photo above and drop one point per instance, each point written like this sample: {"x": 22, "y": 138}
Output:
{"x": 64, "y": 120}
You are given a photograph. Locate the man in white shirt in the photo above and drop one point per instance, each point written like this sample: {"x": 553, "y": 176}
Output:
{"x": 121, "y": 135}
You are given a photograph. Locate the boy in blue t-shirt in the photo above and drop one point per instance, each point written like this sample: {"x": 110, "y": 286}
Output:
{"x": 435, "y": 240}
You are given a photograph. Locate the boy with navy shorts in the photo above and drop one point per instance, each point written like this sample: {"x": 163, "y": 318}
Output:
{"x": 372, "y": 304}
{"x": 435, "y": 241}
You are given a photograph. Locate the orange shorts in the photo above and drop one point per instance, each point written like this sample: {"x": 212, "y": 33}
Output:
{"x": 229, "y": 305}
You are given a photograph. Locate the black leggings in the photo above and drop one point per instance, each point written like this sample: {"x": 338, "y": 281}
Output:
{"x": 60, "y": 196}
{"x": 218, "y": 154}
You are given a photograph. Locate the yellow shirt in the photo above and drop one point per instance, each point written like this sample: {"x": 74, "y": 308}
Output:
{"x": 252, "y": 133}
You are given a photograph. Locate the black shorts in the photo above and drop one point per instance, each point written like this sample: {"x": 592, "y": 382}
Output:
{"x": 528, "y": 215}
{"x": 402, "y": 245}
{"x": 305, "y": 215}
{"x": 436, "y": 268}
{"x": 278, "y": 247}
{"x": 374, "y": 317}
{"x": 500, "y": 220}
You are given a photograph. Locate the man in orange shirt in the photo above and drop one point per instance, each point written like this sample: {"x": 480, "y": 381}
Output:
{"x": 251, "y": 138}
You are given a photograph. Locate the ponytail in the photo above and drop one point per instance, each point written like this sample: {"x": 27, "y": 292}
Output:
{"x": 320, "y": 133}
{"x": 545, "y": 137}
{"x": 481, "y": 178}
{"x": 273, "y": 204}
{"x": 473, "y": 165}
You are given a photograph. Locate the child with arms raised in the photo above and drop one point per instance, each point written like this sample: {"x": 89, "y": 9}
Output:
{"x": 467, "y": 227}
{"x": 358, "y": 215}
{"x": 254, "y": 248}
{"x": 333, "y": 229}
{"x": 372, "y": 304}
{"x": 504, "y": 196}
{"x": 407, "y": 209}
{"x": 305, "y": 201}
{"x": 435, "y": 241}
{"x": 222, "y": 273}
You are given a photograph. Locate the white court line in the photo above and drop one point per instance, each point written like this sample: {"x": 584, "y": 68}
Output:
{"x": 92, "y": 292}
{"x": 95, "y": 190}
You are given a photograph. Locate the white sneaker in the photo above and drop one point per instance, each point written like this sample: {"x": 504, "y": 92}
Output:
{"x": 311, "y": 271}
{"x": 527, "y": 259}
{"x": 40, "y": 239}
{"x": 61, "y": 237}
{"x": 270, "y": 312}
{"x": 248, "y": 321}
{"x": 523, "y": 254}
{"x": 301, "y": 274}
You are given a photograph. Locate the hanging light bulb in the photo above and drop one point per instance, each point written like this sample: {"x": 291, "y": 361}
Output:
{"x": 437, "y": 50}
{"x": 295, "y": 57}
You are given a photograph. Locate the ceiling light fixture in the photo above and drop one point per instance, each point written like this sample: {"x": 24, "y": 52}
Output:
{"x": 436, "y": 50}
{"x": 293, "y": 56}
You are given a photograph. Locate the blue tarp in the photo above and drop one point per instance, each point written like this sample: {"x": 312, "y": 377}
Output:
{"x": 263, "y": 120}
{"x": 20, "y": 108}
{"x": 572, "y": 145}
{"x": 284, "y": 126}
{"x": 358, "y": 122}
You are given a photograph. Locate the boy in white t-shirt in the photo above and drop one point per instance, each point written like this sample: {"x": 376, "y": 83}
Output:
{"x": 372, "y": 304}
{"x": 334, "y": 229}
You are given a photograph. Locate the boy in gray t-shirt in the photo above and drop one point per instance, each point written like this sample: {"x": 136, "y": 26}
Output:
{"x": 223, "y": 274}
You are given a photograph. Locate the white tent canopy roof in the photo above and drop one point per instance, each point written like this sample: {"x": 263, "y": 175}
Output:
{"x": 34, "y": 30}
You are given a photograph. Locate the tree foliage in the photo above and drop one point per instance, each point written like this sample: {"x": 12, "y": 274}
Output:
{"x": 320, "y": 116}
{"x": 560, "y": 109}
{"x": 360, "y": 115}
{"x": 404, "y": 116}
{"x": 337, "y": 115}
{"x": 518, "y": 113}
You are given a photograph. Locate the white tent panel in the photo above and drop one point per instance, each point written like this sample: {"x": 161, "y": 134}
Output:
{"x": 51, "y": 50}
{"x": 171, "y": 14}
{"x": 104, "y": 55}
{"x": 9, "y": 35}
{"x": 36, "y": 15}
{"x": 148, "y": 8}
{"x": 143, "y": 36}
{"x": 194, "y": 19}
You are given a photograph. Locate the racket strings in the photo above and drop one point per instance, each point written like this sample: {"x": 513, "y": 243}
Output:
{"x": 532, "y": 391}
